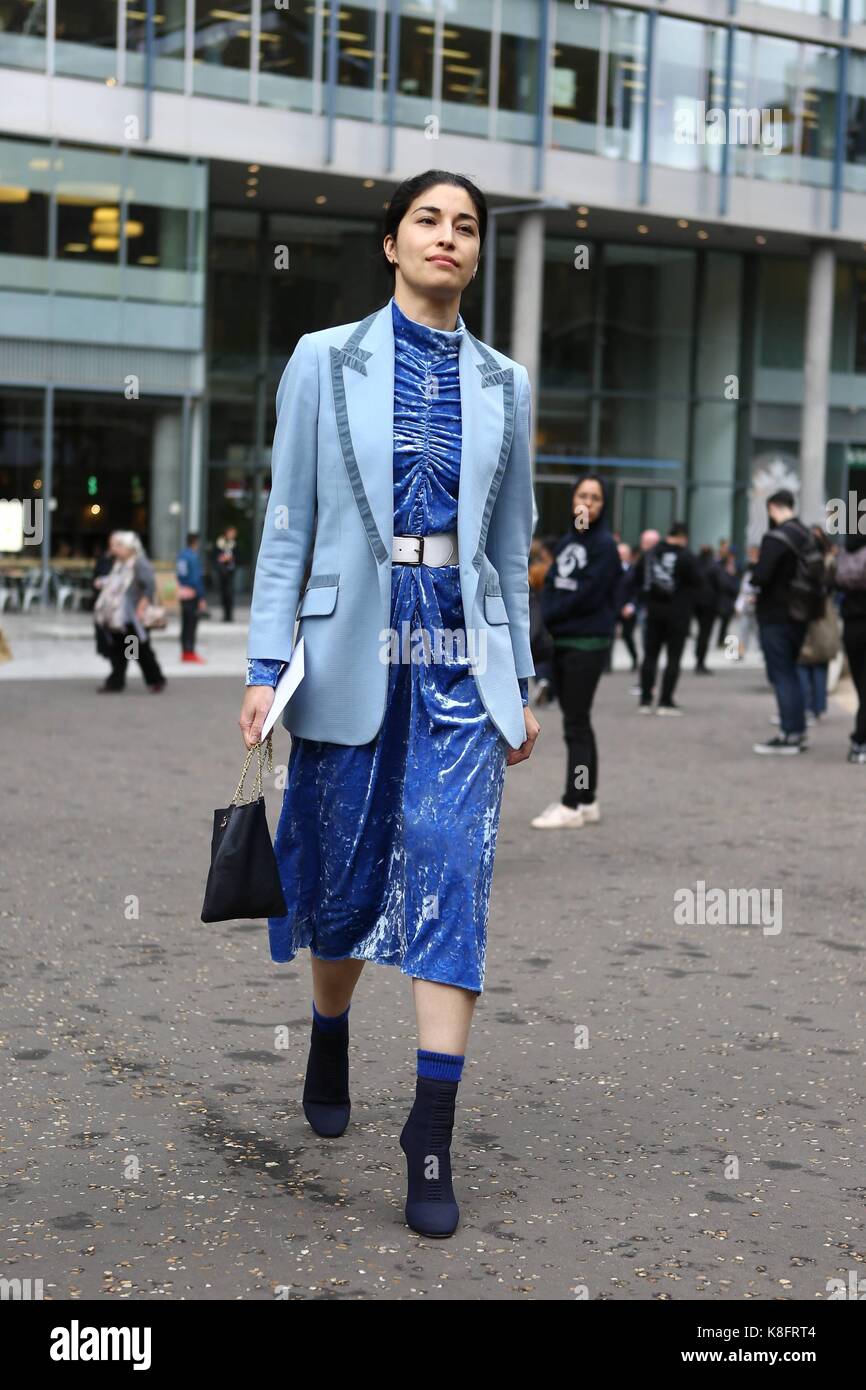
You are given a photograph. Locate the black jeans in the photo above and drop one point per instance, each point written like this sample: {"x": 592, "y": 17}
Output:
{"x": 670, "y": 633}
{"x": 227, "y": 593}
{"x": 188, "y": 623}
{"x": 626, "y": 628}
{"x": 577, "y": 675}
{"x": 706, "y": 618}
{"x": 855, "y": 647}
{"x": 124, "y": 649}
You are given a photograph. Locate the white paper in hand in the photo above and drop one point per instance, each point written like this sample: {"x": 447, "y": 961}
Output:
{"x": 285, "y": 687}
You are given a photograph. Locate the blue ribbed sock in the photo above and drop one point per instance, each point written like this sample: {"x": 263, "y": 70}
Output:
{"x": 440, "y": 1066}
{"x": 330, "y": 1023}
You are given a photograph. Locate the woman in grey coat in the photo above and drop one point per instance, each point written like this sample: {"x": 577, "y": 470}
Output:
{"x": 124, "y": 594}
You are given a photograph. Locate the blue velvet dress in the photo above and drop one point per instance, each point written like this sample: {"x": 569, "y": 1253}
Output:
{"x": 386, "y": 849}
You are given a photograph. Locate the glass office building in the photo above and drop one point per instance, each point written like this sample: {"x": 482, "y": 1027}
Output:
{"x": 185, "y": 189}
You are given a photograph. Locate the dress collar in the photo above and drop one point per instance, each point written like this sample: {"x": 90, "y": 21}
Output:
{"x": 437, "y": 339}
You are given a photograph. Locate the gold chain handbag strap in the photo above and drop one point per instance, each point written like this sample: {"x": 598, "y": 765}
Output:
{"x": 262, "y": 749}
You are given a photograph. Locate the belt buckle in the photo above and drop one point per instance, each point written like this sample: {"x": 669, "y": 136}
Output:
{"x": 420, "y": 559}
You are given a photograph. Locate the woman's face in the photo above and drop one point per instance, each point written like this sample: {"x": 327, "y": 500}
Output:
{"x": 438, "y": 242}
{"x": 587, "y": 503}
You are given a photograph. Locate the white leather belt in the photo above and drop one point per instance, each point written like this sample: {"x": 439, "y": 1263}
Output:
{"x": 438, "y": 549}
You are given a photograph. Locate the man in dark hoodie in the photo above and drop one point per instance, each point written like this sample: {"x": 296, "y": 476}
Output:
{"x": 579, "y": 606}
{"x": 670, "y": 580}
{"x": 781, "y": 634}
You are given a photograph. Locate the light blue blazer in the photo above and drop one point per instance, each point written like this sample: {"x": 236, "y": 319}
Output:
{"x": 333, "y": 486}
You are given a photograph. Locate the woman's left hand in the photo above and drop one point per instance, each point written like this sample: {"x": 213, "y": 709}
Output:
{"x": 533, "y": 729}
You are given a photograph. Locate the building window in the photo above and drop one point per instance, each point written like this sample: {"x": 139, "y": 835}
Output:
{"x": 815, "y": 136}
{"x": 860, "y": 320}
{"x": 782, "y": 312}
{"x": 567, "y": 330}
{"x": 356, "y": 59}
{"x": 21, "y": 416}
{"x": 286, "y": 57}
{"x": 689, "y": 83}
{"x": 23, "y": 225}
{"x": 855, "y": 125}
{"x": 115, "y": 468}
{"x": 518, "y": 72}
{"x": 156, "y": 237}
{"x": 86, "y": 38}
{"x": 88, "y": 228}
{"x": 768, "y": 71}
{"x": 22, "y": 33}
{"x": 415, "y": 68}
{"x": 466, "y": 66}
{"x": 626, "y": 85}
{"x": 574, "y": 78}
{"x": 222, "y": 50}
{"x": 169, "y": 39}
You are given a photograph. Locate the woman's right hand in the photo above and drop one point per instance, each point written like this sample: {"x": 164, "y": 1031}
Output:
{"x": 257, "y": 701}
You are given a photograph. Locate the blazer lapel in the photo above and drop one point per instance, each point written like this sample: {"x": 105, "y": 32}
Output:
{"x": 362, "y": 378}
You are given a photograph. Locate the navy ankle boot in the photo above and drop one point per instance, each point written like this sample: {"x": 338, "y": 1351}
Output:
{"x": 326, "y": 1085}
{"x": 431, "y": 1209}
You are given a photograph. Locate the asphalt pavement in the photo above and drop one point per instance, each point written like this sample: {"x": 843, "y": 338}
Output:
{"x": 654, "y": 1106}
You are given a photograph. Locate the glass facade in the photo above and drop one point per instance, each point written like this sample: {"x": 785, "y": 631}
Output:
{"x": 465, "y": 56}
{"x": 221, "y": 50}
{"x": 22, "y": 33}
{"x": 286, "y": 57}
{"x": 126, "y": 224}
{"x": 169, "y": 43}
{"x": 474, "y": 67}
{"x": 634, "y": 345}
{"x": 86, "y": 38}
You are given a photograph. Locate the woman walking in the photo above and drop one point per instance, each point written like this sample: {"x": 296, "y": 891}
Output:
{"x": 124, "y": 595}
{"x": 415, "y": 622}
{"x": 580, "y": 603}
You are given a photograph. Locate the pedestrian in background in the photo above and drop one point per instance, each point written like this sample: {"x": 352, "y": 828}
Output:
{"x": 821, "y": 643}
{"x": 190, "y": 592}
{"x": 728, "y": 587}
{"x": 744, "y": 608}
{"x": 782, "y": 616}
{"x": 633, "y": 594}
{"x": 225, "y": 565}
{"x": 578, "y": 602}
{"x": 850, "y": 579}
{"x": 121, "y": 608}
{"x": 625, "y": 607}
{"x": 669, "y": 580}
{"x": 706, "y": 607}
{"x": 540, "y": 643}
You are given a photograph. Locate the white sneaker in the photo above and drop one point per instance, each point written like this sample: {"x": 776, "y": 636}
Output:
{"x": 591, "y": 813}
{"x": 559, "y": 817}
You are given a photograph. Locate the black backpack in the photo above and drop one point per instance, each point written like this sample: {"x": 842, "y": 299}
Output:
{"x": 809, "y": 587}
{"x": 658, "y": 576}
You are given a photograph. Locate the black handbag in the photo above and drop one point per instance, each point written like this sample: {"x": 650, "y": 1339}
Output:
{"x": 244, "y": 880}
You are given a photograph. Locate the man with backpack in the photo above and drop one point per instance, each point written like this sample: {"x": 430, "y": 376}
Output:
{"x": 669, "y": 581}
{"x": 792, "y": 588}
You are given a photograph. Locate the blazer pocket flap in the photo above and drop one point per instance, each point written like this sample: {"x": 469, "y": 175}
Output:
{"x": 318, "y": 599}
{"x": 494, "y": 608}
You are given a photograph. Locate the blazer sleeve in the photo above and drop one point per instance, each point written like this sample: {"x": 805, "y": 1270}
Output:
{"x": 510, "y": 532}
{"x": 291, "y": 510}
